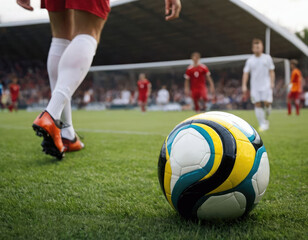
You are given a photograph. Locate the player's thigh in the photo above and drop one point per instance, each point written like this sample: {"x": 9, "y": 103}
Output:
{"x": 142, "y": 99}
{"x": 88, "y": 23}
{"x": 204, "y": 95}
{"x": 195, "y": 95}
{"x": 297, "y": 97}
{"x": 290, "y": 97}
{"x": 61, "y": 23}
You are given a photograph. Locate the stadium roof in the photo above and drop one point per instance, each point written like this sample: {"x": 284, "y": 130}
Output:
{"x": 136, "y": 32}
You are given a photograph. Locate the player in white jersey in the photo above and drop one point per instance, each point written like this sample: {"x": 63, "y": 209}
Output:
{"x": 260, "y": 66}
{"x": 163, "y": 96}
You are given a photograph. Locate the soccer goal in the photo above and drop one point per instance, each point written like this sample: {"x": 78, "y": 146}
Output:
{"x": 115, "y": 85}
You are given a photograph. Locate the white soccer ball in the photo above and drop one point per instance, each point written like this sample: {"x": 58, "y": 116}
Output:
{"x": 213, "y": 166}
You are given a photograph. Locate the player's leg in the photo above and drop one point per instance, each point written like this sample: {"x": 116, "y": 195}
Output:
{"x": 289, "y": 103}
{"x": 61, "y": 22}
{"x": 297, "y": 102}
{"x": 267, "y": 110}
{"x": 10, "y": 105}
{"x": 15, "y": 105}
{"x": 195, "y": 96}
{"x": 59, "y": 43}
{"x": 145, "y": 103}
{"x": 268, "y": 99}
{"x": 204, "y": 100}
{"x": 73, "y": 67}
{"x": 259, "y": 111}
{"x": 142, "y": 105}
{"x": 76, "y": 60}
{"x": 62, "y": 31}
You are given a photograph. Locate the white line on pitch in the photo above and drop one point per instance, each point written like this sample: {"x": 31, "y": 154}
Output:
{"x": 93, "y": 131}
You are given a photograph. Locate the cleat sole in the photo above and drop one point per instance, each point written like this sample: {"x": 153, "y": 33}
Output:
{"x": 47, "y": 144}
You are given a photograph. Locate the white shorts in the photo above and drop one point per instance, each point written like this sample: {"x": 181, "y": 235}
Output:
{"x": 262, "y": 96}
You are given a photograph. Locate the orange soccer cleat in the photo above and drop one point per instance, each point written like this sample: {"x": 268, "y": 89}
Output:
{"x": 48, "y": 128}
{"x": 72, "y": 145}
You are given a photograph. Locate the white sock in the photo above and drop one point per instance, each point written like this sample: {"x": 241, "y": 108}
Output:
{"x": 57, "y": 47}
{"x": 260, "y": 115}
{"x": 73, "y": 67}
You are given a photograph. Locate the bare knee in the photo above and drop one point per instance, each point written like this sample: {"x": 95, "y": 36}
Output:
{"x": 258, "y": 105}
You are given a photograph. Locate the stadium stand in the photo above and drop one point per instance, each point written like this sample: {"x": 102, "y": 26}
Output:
{"x": 227, "y": 30}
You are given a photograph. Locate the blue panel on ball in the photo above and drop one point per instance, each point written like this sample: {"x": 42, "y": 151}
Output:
{"x": 246, "y": 186}
{"x": 187, "y": 179}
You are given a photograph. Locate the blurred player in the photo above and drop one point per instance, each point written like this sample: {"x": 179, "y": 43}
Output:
{"x": 76, "y": 27}
{"x": 144, "y": 91}
{"x": 296, "y": 87}
{"x": 195, "y": 82}
{"x": 14, "y": 93}
{"x": 260, "y": 66}
{"x": 163, "y": 96}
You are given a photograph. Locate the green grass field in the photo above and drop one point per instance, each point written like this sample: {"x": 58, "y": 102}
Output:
{"x": 110, "y": 190}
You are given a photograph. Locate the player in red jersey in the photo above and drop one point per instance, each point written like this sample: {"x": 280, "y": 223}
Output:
{"x": 14, "y": 92}
{"x": 76, "y": 27}
{"x": 195, "y": 81}
{"x": 296, "y": 87}
{"x": 144, "y": 91}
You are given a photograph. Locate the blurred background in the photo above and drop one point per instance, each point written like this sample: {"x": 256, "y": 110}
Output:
{"x": 136, "y": 39}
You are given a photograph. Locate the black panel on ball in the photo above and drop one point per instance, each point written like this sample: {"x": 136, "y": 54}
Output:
{"x": 161, "y": 167}
{"x": 257, "y": 142}
{"x": 191, "y": 195}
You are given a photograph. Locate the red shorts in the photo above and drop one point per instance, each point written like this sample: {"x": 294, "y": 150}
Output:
{"x": 294, "y": 95}
{"x": 100, "y": 8}
{"x": 143, "y": 98}
{"x": 199, "y": 94}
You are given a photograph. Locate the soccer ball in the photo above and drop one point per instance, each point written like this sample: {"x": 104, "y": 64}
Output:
{"x": 213, "y": 166}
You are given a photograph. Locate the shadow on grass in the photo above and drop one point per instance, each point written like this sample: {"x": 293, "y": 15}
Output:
{"x": 46, "y": 160}
{"x": 248, "y": 219}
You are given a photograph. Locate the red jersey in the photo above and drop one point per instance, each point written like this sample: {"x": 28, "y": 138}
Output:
{"x": 197, "y": 76}
{"x": 143, "y": 87}
{"x": 14, "y": 91}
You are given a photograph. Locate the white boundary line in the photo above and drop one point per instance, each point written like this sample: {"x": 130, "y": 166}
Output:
{"x": 87, "y": 130}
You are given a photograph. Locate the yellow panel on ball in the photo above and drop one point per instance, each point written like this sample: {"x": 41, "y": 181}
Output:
{"x": 243, "y": 162}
